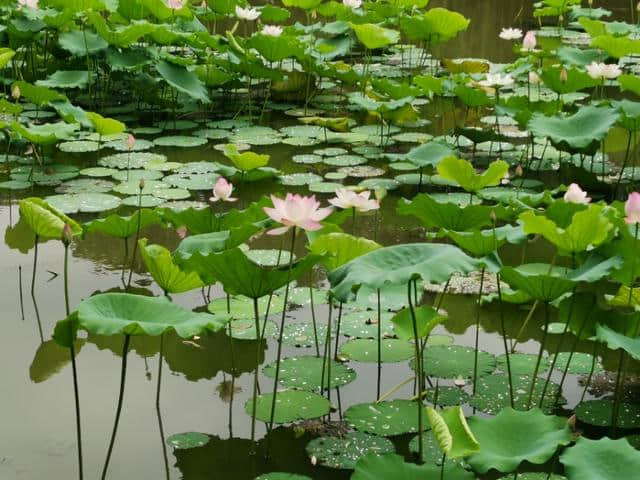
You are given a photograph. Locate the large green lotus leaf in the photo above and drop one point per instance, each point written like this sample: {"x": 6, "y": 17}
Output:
{"x": 452, "y": 432}
{"x": 399, "y": 264}
{"x": 574, "y": 81}
{"x": 580, "y": 57}
{"x": 187, "y": 440}
{"x": 386, "y": 418}
{"x": 291, "y": 406}
{"x": 6, "y": 54}
{"x": 202, "y": 245}
{"x": 341, "y": 248}
{"x": 344, "y": 452}
{"x": 183, "y": 80}
{"x": 167, "y": 274}
{"x": 625, "y": 297}
{"x": 436, "y": 25}
{"x": 603, "y": 459}
{"x": 124, "y": 313}
{"x": 276, "y": 49}
{"x": 373, "y": 36}
{"x": 305, "y": 373}
{"x": 452, "y": 361}
{"x": 241, "y": 276}
{"x": 427, "y": 318}
{"x": 461, "y": 172}
{"x": 83, "y": 202}
{"x": 82, "y": 42}
{"x": 366, "y": 350}
{"x": 588, "y": 229}
{"x": 46, "y": 133}
{"x": 484, "y": 242}
{"x": 577, "y": 133}
{"x": 123, "y": 227}
{"x": 512, "y": 437}
{"x": 615, "y": 340}
{"x": 448, "y": 215}
{"x": 104, "y": 125}
{"x": 598, "y": 413}
{"x": 616, "y": 46}
{"x": 429, "y": 154}
{"x": 66, "y": 79}
{"x": 630, "y": 83}
{"x": 303, "y": 4}
{"x": 44, "y": 220}
{"x": 245, "y": 161}
{"x": 393, "y": 467}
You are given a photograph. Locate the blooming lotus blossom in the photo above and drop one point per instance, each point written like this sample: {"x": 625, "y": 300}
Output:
{"x": 352, "y": 3}
{"x": 28, "y": 3}
{"x": 632, "y": 208}
{"x": 222, "y": 191}
{"x": 272, "y": 30}
{"x": 603, "y": 70}
{"x": 497, "y": 80}
{"x": 511, "y": 34}
{"x": 131, "y": 142}
{"x": 296, "y": 211}
{"x": 346, "y": 198}
{"x": 575, "y": 194}
{"x": 247, "y": 13}
{"x": 529, "y": 41}
{"x": 534, "y": 78}
{"x": 174, "y": 4}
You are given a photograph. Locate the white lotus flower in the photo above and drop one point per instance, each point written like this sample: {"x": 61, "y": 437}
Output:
{"x": 534, "y": 78}
{"x": 247, "y": 13}
{"x": 511, "y": 34}
{"x": 352, "y": 3}
{"x": 575, "y": 194}
{"x": 497, "y": 80}
{"x": 272, "y": 30}
{"x": 28, "y": 3}
{"x": 603, "y": 70}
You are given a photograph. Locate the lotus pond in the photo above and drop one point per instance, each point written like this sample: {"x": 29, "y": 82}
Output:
{"x": 316, "y": 239}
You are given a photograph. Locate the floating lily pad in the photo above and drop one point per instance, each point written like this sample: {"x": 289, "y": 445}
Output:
{"x": 132, "y": 187}
{"x": 447, "y": 396}
{"x": 580, "y": 363}
{"x": 146, "y": 130}
{"x": 83, "y": 202}
{"x": 79, "y": 146}
{"x": 171, "y": 193}
{"x": 196, "y": 181}
{"x": 228, "y": 124}
{"x": 523, "y": 363}
{"x": 212, "y": 133}
{"x": 85, "y": 185}
{"x": 344, "y": 452}
{"x": 386, "y": 418}
{"x": 136, "y": 175}
{"x": 325, "y": 187}
{"x": 245, "y": 329}
{"x": 15, "y": 185}
{"x": 291, "y": 406}
{"x": 454, "y": 360}
{"x": 302, "y": 296}
{"x": 331, "y": 151}
{"x": 182, "y": 141}
{"x": 242, "y": 307}
{"x": 187, "y": 440}
{"x": 179, "y": 205}
{"x": 602, "y": 459}
{"x": 122, "y": 146}
{"x": 335, "y": 176}
{"x": 198, "y": 167}
{"x": 366, "y": 350}
{"x": 598, "y": 413}
{"x": 146, "y": 201}
{"x": 130, "y": 160}
{"x": 375, "y": 183}
{"x": 282, "y": 476}
{"x": 432, "y": 454}
{"x": 305, "y": 373}
{"x": 177, "y": 125}
{"x": 344, "y": 160}
{"x": 98, "y": 172}
{"x": 301, "y": 335}
{"x": 295, "y": 179}
{"x": 307, "y": 158}
{"x": 364, "y": 324}
{"x": 301, "y": 141}
{"x": 362, "y": 171}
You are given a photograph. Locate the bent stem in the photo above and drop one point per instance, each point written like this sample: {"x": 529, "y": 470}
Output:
{"x": 419, "y": 372}
{"x": 255, "y": 377}
{"x": 123, "y": 376}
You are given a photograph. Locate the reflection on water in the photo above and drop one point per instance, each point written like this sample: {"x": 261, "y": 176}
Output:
{"x": 206, "y": 381}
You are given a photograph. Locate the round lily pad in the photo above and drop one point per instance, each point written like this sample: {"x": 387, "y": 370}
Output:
{"x": 344, "y": 452}
{"x": 15, "y": 185}
{"x": 598, "y": 412}
{"x": 523, "y": 363}
{"x": 130, "y": 160}
{"x": 375, "y": 183}
{"x": 83, "y": 202}
{"x": 447, "y": 396}
{"x": 492, "y": 393}
{"x": 325, "y": 187}
{"x": 187, "y": 440}
{"x": 242, "y": 307}
{"x": 362, "y": 171}
{"x": 366, "y": 350}
{"x": 432, "y": 454}
{"x": 387, "y": 418}
{"x": 212, "y": 133}
{"x": 136, "y": 175}
{"x": 302, "y": 296}
{"x": 602, "y": 459}
{"x": 305, "y": 373}
{"x": 98, "y": 172}
{"x": 580, "y": 363}
{"x": 282, "y": 476}
{"x": 245, "y": 329}
{"x": 228, "y": 124}
{"x": 196, "y": 181}
{"x": 301, "y": 335}
{"x": 330, "y": 152}
{"x": 79, "y": 146}
{"x": 291, "y": 406}
{"x": 455, "y": 360}
{"x": 306, "y": 158}
{"x": 198, "y": 167}
{"x": 171, "y": 193}
{"x": 439, "y": 339}
{"x": 301, "y": 131}
{"x": 147, "y": 201}
{"x": 85, "y": 185}
{"x": 180, "y": 205}
{"x": 122, "y": 146}
{"x": 364, "y": 324}
{"x": 132, "y": 187}
{"x": 182, "y": 141}
{"x": 146, "y": 130}
{"x": 176, "y": 124}
{"x": 554, "y": 328}
{"x": 295, "y": 179}
{"x": 301, "y": 141}
{"x": 344, "y": 160}
{"x": 334, "y": 176}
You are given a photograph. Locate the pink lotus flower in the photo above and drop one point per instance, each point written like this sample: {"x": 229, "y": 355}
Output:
{"x": 174, "y": 4}
{"x": 182, "y": 232}
{"x": 15, "y": 92}
{"x": 296, "y": 211}
{"x": 28, "y": 3}
{"x": 222, "y": 191}
{"x": 529, "y": 42}
{"x": 346, "y": 198}
{"x": 131, "y": 142}
{"x": 632, "y": 208}
{"x": 510, "y": 34}
{"x": 575, "y": 194}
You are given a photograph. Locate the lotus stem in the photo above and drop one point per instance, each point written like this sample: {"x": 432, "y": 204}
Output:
{"x": 35, "y": 265}
{"x": 379, "y": 343}
{"x": 313, "y": 321}
{"x": 20, "y": 292}
{"x": 444, "y": 459}
{"x": 135, "y": 243}
{"x": 590, "y": 376}
{"x": 504, "y": 339}
{"x": 160, "y": 360}
{"x": 624, "y": 164}
{"x": 124, "y": 262}
{"x": 165, "y": 458}
{"x": 327, "y": 352}
{"x": 281, "y": 333}
{"x": 524, "y": 325}
{"x": 393, "y": 390}
{"x": 123, "y": 376}
{"x": 335, "y": 350}
{"x": 534, "y": 377}
{"x": 617, "y": 394}
{"x": 419, "y": 372}
{"x": 475, "y": 357}
{"x": 255, "y": 378}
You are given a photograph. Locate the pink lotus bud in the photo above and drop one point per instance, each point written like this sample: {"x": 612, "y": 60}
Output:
{"x": 564, "y": 75}
{"x": 529, "y": 42}
{"x": 519, "y": 172}
{"x": 575, "y": 194}
{"x": 222, "y": 191}
{"x": 181, "y": 231}
{"x": 15, "y": 92}
{"x": 141, "y": 184}
{"x": 632, "y": 208}
{"x": 131, "y": 142}
{"x": 67, "y": 235}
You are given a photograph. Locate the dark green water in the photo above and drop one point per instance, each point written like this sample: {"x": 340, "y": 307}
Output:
{"x": 36, "y": 401}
